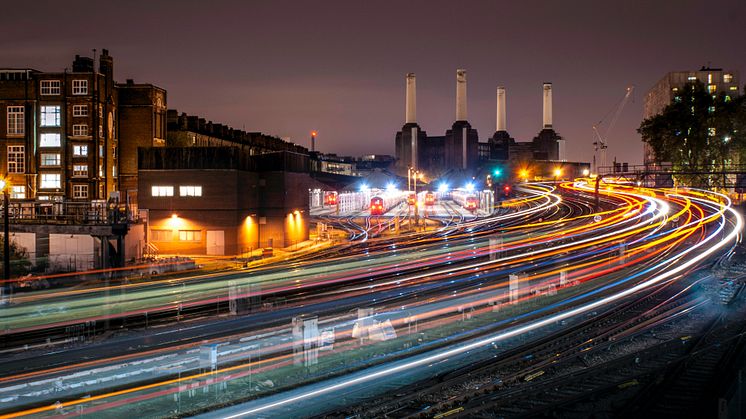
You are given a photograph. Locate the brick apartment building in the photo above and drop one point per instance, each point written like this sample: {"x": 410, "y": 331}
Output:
{"x": 73, "y": 135}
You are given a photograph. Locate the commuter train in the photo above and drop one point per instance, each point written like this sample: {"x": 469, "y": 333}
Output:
{"x": 381, "y": 204}
{"x": 466, "y": 199}
{"x": 429, "y": 199}
{"x": 330, "y": 198}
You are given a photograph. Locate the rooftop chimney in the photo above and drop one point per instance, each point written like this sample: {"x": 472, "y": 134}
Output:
{"x": 547, "y": 106}
{"x": 411, "y": 103}
{"x": 461, "y": 95}
{"x": 501, "y": 126}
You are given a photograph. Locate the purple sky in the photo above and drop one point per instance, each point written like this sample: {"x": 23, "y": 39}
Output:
{"x": 338, "y": 67}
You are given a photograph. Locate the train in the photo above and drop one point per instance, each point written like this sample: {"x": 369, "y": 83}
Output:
{"x": 330, "y": 198}
{"x": 466, "y": 199}
{"x": 382, "y": 203}
{"x": 429, "y": 199}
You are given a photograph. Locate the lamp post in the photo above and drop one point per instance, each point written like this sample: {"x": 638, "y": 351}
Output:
{"x": 6, "y": 234}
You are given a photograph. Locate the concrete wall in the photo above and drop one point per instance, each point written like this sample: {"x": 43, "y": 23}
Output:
{"x": 71, "y": 252}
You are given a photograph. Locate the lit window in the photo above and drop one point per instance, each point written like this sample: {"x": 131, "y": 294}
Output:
{"x": 80, "y": 130}
{"x": 709, "y": 78}
{"x": 734, "y": 88}
{"x": 114, "y": 171}
{"x": 727, "y": 78}
{"x": 50, "y": 159}
{"x": 161, "y": 235}
{"x": 50, "y": 87}
{"x": 677, "y": 98}
{"x": 711, "y": 88}
{"x": 101, "y": 170}
{"x": 162, "y": 191}
{"x": 675, "y": 89}
{"x": 49, "y": 140}
{"x": 80, "y": 150}
{"x": 190, "y": 235}
{"x": 18, "y": 192}
{"x": 711, "y": 109}
{"x": 190, "y": 190}
{"x": 50, "y": 181}
{"x": 711, "y": 132}
{"x": 80, "y": 110}
{"x": 80, "y": 191}
{"x": 16, "y": 159}
{"x": 42, "y": 197}
{"x": 80, "y": 170}
{"x": 692, "y": 78}
{"x": 50, "y": 116}
{"x": 80, "y": 87}
{"x": 15, "y": 120}
{"x": 101, "y": 151}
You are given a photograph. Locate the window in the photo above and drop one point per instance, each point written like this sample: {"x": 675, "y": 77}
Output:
{"x": 80, "y": 191}
{"x": 711, "y": 88}
{"x": 15, "y": 120}
{"x": 727, "y": 78}
{"x": 80, "y": 87}
{"x": 101, "y": 151}
{"x": 50, "y": 181}
{"x": 161, "y": 235}
{"x": 80, "y": 110}
{"x": 691, "y": 78}
{"x": 114, "y": 171}
{"x": 734, "y": 88}
{"x": 80, "y": 130}
{"x": 50, "y": 116}
{"x": 80, "y": 150}
{"x": 18, "y": 192}
{"x": 162, "y": 191}
{"x": 16, "y": 159}
{"x": 100, "y": 130}
{"x": 190, "y": 190}
{"x": 711, "y": 132}
{"x": 49, "y": 140}
{"x": 711, "y": 109}
{"x": 50, "y": 159}
{"x": 101, "y": 170}
{"x": 50, "y": 87}
{"x": 100, "y": 111}
{"x": 190, "y": 235}
{"x": 80, "y": 170}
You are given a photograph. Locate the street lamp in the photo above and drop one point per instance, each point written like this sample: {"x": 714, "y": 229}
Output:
{"x": 586, "y": 172}
{"x": 6, "y": 232}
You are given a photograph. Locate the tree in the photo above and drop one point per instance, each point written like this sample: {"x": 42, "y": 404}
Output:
{"x": 698, "y": 130}
{"x": 19, "y": 260}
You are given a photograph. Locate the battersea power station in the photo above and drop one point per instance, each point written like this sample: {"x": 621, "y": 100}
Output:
{"x": 459, "y": 150}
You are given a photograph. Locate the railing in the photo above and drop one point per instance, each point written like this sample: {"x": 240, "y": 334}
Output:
{"x": 70, "y": 212}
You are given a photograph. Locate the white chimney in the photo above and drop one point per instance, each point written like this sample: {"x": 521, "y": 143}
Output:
{"x": 411, "y": 104}
{"x": 501, "y": 126}
{"x": 547, "y": 105}
{"x": 461, "y": 95}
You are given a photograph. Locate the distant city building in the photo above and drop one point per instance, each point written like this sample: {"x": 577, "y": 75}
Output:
{"x": 193, "y": 131}
{"x": 459, "y": 149}
{"x": 666, "y": 90}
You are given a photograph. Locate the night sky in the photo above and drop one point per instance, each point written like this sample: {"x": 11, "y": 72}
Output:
{"x": 338, "y": 67}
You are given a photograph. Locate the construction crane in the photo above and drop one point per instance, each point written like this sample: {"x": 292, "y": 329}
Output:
{"x": 600, "y": 141}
